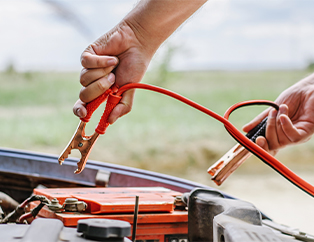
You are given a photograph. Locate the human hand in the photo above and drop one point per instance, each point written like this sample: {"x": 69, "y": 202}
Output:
{"x": 119, "y": 49}
{"x": 293, "y": 123}
{"x": 134, "y": 42}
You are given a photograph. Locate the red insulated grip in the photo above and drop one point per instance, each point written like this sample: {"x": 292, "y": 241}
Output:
{"x": 113, "y": 100}
{"x": 93, "y": 105}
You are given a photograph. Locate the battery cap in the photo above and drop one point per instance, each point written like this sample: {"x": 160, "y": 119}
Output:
{"x": 104, "y": 229}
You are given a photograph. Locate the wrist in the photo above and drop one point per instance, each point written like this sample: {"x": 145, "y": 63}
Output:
{"x": 145, "y": 40}
{"x": 309, "y": 79}
{"x": 153, "y": 21}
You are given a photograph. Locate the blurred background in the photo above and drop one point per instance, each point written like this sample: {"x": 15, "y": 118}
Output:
{"x": 229, "y": 51}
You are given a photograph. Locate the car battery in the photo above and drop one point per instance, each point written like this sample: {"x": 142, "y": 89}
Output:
{"x": 158, "y": 220}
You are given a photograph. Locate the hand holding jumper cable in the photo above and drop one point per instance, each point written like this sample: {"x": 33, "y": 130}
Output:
{"x": 293, "y": 123}
{"x": 285, "y": 126}
{"x": 128, "y": 48}
{"x": 133, "y": 41}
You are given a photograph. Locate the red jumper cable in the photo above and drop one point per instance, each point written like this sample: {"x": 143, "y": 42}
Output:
{"x": 85, "y": 143}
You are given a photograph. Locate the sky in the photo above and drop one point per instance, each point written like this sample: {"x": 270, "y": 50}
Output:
{"x": 223, "y": 34}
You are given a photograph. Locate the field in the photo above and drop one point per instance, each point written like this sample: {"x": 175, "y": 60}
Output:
{"x": 160, "y": 134}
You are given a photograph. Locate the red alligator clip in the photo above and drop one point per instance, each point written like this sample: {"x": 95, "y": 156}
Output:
{"x": 85, "y": 143}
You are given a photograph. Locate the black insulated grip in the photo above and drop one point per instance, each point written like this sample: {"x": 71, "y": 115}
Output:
{"x": 258, "y": 130}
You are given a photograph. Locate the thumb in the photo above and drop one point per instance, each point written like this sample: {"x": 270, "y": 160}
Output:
{"x": 123, "y": 107}
{"x": 262, "y": 142}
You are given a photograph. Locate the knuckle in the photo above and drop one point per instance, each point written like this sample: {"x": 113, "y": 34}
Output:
{"x": 83, "y": 81}
{"x": 284, "y": 143}
{"x": 273, "y": 146}
{"x": 102, "y": 85}
{"x": 127, "y": 108}
{"x": 297, "y": 139}
{"x": 85, "y": 59}
{"x": 104, "y": 71}
{"x": 83, "y": 96}
{"x": 83, "y": 77}
{"x": 99, "y": 62}
{"x": 271, "y": 123}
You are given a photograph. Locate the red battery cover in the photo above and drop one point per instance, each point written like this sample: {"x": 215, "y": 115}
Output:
{"x": 157, "y": 219}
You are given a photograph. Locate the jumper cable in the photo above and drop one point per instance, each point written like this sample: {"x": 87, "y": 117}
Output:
{"x": 230, "y": 161}
{"x": 85, "y": 143}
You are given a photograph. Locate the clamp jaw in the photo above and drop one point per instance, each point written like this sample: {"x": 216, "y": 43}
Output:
{"x": 230, "y": 161}
{"x": 82, "y": 143}
{"x": 85, "y": 143}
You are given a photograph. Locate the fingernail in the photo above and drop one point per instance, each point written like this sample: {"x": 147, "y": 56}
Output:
{"x": 282, "y": 120}
{"x": 282, "y": 109}
{"x": 79, "y": 112}
{"x": 273, "y": 114}
{"x": 111, "y": 78}
{"x": 261, "y": 142}
{"x": 112, "y": 62}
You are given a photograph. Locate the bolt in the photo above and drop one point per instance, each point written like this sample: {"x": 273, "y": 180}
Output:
{"x": 54, "y": 201}
{"x": 54, "y": 205}
{"x": 80, "y": 144}
{"x": 71, "y": 200}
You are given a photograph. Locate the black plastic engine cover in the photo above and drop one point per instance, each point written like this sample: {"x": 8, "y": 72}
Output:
{"x": 204, "y": 205}
{"x": 48, "y": 230}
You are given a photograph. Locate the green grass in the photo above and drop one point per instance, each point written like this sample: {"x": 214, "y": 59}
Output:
{"x": 160, "y": 134}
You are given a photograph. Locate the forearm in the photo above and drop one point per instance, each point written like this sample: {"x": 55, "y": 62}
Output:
{"x": 153, "y": 21}
{"x": 303, "y": 87}
{"x": 130, "y": 45}
{"x": 307, "y": 80}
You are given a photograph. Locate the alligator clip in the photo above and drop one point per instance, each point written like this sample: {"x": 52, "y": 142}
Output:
{"x": 85, "y": 143}
{"x": 230, "y": 161}
{"x": 81, "y": 142}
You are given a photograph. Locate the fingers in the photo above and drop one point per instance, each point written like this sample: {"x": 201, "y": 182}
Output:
{"x": 91, "y": 60}
{"x": 90, "y": 75}
{"x": 271, "y": 130}
{"x": 283, "y": 139}
{"x": 291, "y": 131}
{"x": 280, "y": 130}
{"x": 275, "y": 134}
{"x": 97, "y": 88}
{"x": 96, "y": 76}
{"x": 79, "y": 109}
{"x": 123, "y": 107}
{"x": 249, "y": 126}
{"x": 262, "y": 142}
